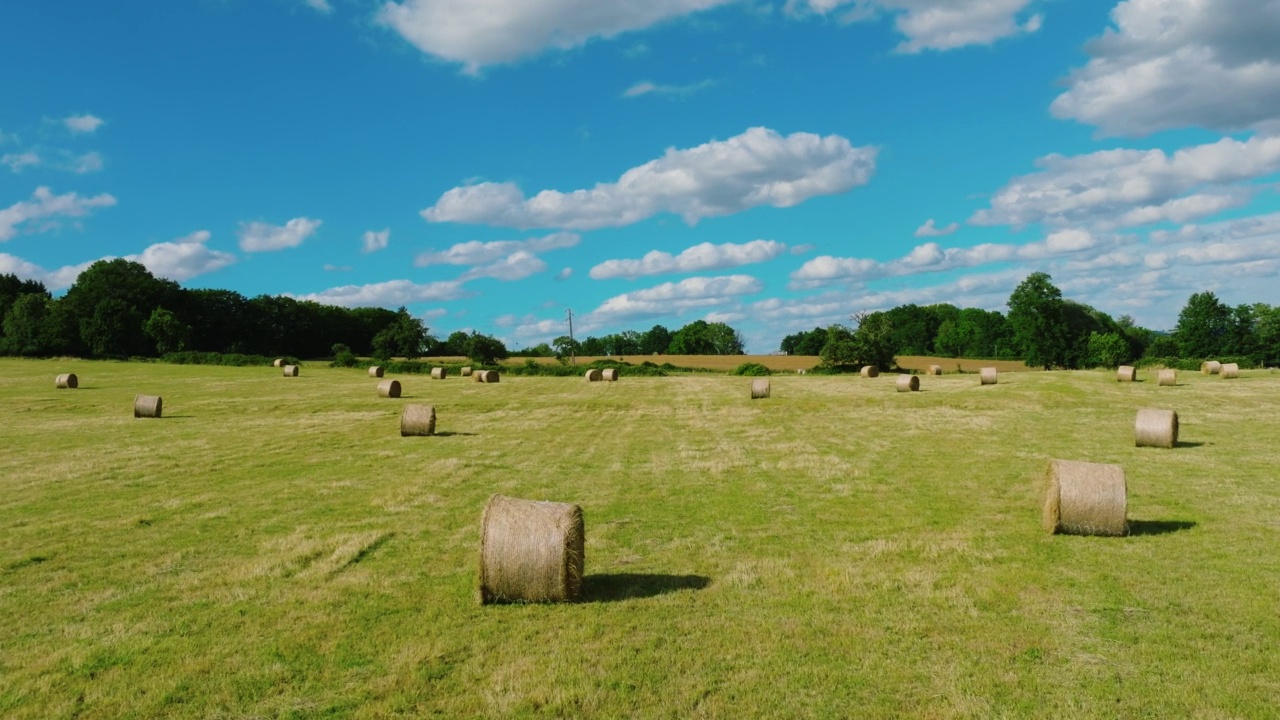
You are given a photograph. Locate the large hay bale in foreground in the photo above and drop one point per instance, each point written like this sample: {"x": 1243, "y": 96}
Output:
{"x": 1167, "y": 377}
{"x": 438, "y": 373}
{"x": 147, "y": 406}
{"x": 291, "y": 371}
{"x": 1126, "y": 373}
{"x": 530, "y": 551}
{"x": 989, "y": 375}
{"x": 1230, "y": 370}
{"x": 377, "y": 371}
{"x": 935, "y": 369}
{"x": 1156, "y": 428}
{"x": 389, "y": 389}
{"x": 466, "y": 371}
{"x": 1210, "y": 367}
{"x": 610, "y": 374}
{"x": 66, "y": 380}
{"x": 759, "y": 389}
{"x": 278, "y": 362}
{"x": 1085, "y": 498}
{"x": 594, "y": 375}
{"x": 908, "y": 383}
{"x": 870, "y": 371}
{"x": 418, "y": 420}
{"x": 486, "y": 376}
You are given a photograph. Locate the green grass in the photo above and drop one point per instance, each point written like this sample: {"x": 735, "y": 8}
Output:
{"x": 273, "y": 548}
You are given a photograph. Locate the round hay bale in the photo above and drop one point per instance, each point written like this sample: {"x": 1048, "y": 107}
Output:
{"x": 488, "y": 376}
{"x": 530, "y": 551}
{"x": 291, "y": 371}
{"x": 438, "y": 373}
{"x": 935, "y": 369}
{"x": 908, "y": 383}
{"x": 389, "y": 389}
{"x": 466, "y": 371}
{"x": 1210, "y": 367}
{"x": 417, "y": 420}
{"x": 147, "y": 406}
{"x": 870, "y": 371}
{"x": 278, "y": 362}
{"x": 989, "y": 375}
{"x": 1085, "y": 498}
{"x": 377, "y": 371}
{"x": 610, "y": 375}
{"x": 594, "y": 375}
{"x": 1167, "y": 377}
{"x": 1126, "y": 373}
{"x": 759, "y": 389}
{"x": 1230, "y": 370}
{"x": 66, "y": 380}
{"x": 1156, "y": 428}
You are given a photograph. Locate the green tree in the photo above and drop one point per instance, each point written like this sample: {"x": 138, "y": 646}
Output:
{"x": 406, "y": 337}
{"x": 168, "y": 332}
{"x": 656, "y": 341}
{"x": 1204, "y": 327}
{"x": 25, "y": 326}
{"x": 1036, "y": 316}
{"x": 1107, "y": 350}
{"x": 485, "y": 349}
{"x": 839, "y": 350}
{"x": 1267, "y": 333}
{"x": 873, "y": 340}
{"x": 566, "y": 348}
{"x": 114, "y": 329}
{"x": 593, "y": 346}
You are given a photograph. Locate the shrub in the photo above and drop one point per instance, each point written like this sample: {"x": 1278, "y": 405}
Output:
{"x": 751, "y": 369}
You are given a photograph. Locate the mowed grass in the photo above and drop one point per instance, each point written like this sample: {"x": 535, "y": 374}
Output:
{"x": 273, "y": 548}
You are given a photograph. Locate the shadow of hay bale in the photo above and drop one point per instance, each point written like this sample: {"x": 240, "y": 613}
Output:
{"x": 613, "y": 587}
{"x": 1159, "y": 527}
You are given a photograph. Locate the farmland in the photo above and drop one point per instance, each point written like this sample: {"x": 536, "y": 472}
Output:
{"x": 272, "y": 547}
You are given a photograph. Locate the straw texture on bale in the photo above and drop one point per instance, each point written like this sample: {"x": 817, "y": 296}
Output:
{"x": 279, "y": 362}
{"x": 935, "y": 369}
{"x": 438, "y": 373}
{"x": 1167, "y": 377}
{"x": 1210, "y": 367}
{"x": 66, "y": 380}
{"x": 759, "y": 389}
{"x": 466, "y": 371}
{"x": 530, "y": 551}
{"x": 147, "y": 406}
{"x": 870, "y": 371}
{"x": 291, "y": 371}
{"x": 1156, "y": 428}
{"x": 1126, "y": 373}
{"x": 1230, "y": 370}
{"x": 908, "y": 383}
{"x": 389, "y": 389}
{"x": 594, "y": 375}
{"x": 989, "y": 375}
{"x": 1085, "y": 499}
{"x": 610, "y": 374}
{"x": 418, "y": 420}
{"x": 486, "y": 376}
{"x": 377, "y": 371}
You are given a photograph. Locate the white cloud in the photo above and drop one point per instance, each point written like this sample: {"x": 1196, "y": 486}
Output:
{"x": 265, "y": 237}
{"x": 937, "y": 24}
{"x": 87, "y": 163}
{"x": 59, "y": 279}
{"x": 649, "y": 88}
{"x": 564, "y": 274}
{"x": 375, "y": 241}
{"x": 184, "y": 258}
{"x": 1116, "y": 188}
{"x": 1178, "y": 63}
{"x": 698, "y": 258}
{"x": 758, "y": 167}
{"x": 44, "y": 206}
{"x": 82, "y": 123}
{"x": 675, "y": 297}
{"x": 392, "y": 293}
{"x": 18, "y": 161}
{"x": 517, "y": 266}
{"x": 321, "y": 6}
{"x": 928, "y": 229}
{"x": 488, "y": 32}
{"x": 329, "y": 267}
{"x": 480, "y": 253}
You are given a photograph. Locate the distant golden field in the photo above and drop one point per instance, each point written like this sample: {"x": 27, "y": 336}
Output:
{"x": 797, "y": 362}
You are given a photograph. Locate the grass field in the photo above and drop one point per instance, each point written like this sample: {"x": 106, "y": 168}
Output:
{"x": 273, "y": 548}
{"x": 779, "y": 363}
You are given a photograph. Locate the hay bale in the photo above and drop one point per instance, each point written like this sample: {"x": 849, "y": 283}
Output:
{"x": 989, "y": 375}
{"x": 594, "y": 375}
{"x": 291, "y": 371}
{"x": 278, "y": 362}
{"x": 1126, "y": 373}
{"x": 147, "y": 406}
{"x": 389, "y": 389}
{"x": 759, "y": 389}
{"x": 1210, "y": 367}
{"x": 1167, "y": 377}
{"x": 870, "y": 371}
{"x": 1230, "y": 370}
{"x": 908, "y": 383}
{"x": 66, "y": 380}
{"x": 377, "y": 371}
{"x": 935, "y": 369}
{"x": 438, "y": 373}
{"x": 1085, "y": 498}
{"x": 417, "y": 420}
{"x": 530, "y": 551}
{"x": 466, "y": 371}
{"x": 610, "y": 375}
{"x": 486, "y": 376}
{"x": 1156, "y": 428}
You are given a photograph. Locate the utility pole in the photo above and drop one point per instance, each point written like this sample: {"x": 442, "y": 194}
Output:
{"x": 573, "y": 357}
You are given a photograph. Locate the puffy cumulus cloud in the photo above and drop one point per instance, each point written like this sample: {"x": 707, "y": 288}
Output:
{"x": 373, "y": 241}
{"x": 928, "y": 229}
{"x": 676, "y": 297}
{"x": 698, "y": 258}
{"x": 184, "y": 258}
{"x": 648, "y": 88}
{"x": 83, "y": 123}
{"x": 1178, "y": 63}
{"x": 989, "y": 290}
{"x": 39, "y": 214}
{"x": 722, "y": 177}
{"x": 87, "y": 163}
{"x": 59, "y": 279}
{"x": 18, "y": 161}
{"x": 1117, "y": 188}
{"x": 516, "y": 266}
{"x": 936, "y": 24}
{"x": 265, "y": 237}
{"x": 479, "y": 253}
{"x": 392, "y": 293}
{"x": 564, "y": 274}
{"x": 476, "y": 33}
{"x": 1237, "y": 242}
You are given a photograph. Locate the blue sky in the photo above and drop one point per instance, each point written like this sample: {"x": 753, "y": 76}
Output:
{"x": 776, "y": 166}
